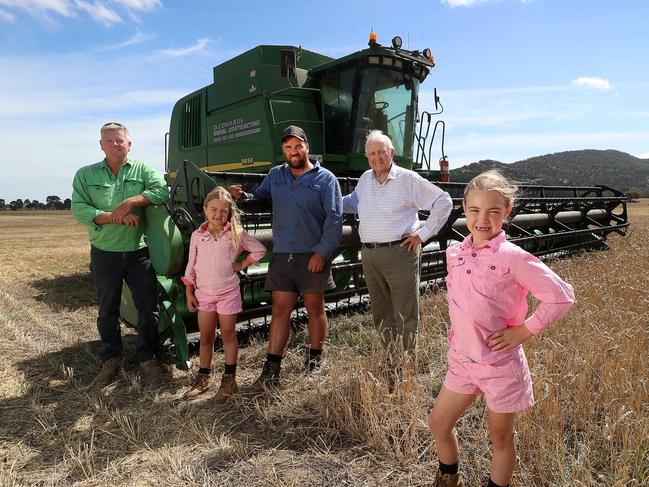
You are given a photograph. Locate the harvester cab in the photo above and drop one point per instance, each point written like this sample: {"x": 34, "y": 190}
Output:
{"x": 228, "y": 133}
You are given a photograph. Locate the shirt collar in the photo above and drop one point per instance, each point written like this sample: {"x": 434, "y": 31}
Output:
{"x": 392, "y": 173}
{"x": 203, "y": 228}
{"x": 104, "y": 163}
{"x": 315, "y": 162}
{"x": 494, "y": 244}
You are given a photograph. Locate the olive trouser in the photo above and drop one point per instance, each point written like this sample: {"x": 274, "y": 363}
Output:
{"x": 392, "y": 277}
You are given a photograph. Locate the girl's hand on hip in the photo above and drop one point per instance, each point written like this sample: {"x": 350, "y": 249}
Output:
{"x": 508, "y": 339}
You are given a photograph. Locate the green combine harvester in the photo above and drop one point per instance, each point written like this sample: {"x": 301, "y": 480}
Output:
{"x": 228, "y": 132}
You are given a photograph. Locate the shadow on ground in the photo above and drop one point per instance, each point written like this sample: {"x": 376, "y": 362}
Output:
{"x": 66, "y": 293}
{"x": 61, "y": 415}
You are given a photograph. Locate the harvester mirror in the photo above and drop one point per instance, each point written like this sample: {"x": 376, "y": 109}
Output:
{"x": 287, "y": 64}
{"x": 436, "y": 98}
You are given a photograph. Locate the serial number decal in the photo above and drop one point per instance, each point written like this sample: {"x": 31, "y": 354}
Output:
{"x": 247, "y": 161}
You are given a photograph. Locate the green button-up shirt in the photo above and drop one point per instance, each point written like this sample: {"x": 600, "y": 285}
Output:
{"x": 97, "y": 190}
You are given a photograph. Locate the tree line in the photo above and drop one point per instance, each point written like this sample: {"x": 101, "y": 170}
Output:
{"x": 52, "y": 202}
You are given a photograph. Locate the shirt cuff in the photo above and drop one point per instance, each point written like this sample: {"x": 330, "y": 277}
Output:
{"x": 187, "y": 282}
{"x": 324, "y": 253}
{"x": 534, "y": 324}
{"x": 424, "y": 234}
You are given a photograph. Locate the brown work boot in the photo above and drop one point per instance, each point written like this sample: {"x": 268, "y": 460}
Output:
{"x": 200, "y": 386}
{"x": 109, "y": 371}
{"x": 228, "y": 387}
{"x": 268, "y": 379}
{"x": 448, "y": 480}
{"x": 151, "y": 369}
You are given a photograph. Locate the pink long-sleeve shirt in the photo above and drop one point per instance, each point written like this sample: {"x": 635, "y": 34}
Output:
{"x": 209, "y": 267}
{"x": 487, "y": 292}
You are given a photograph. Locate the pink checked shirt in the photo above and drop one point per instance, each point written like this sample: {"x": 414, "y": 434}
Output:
{"x": 487, "y": 292}
{"x": 210, "y": 259}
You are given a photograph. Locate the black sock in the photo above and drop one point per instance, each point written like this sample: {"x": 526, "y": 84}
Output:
{"x": 448, "y": 469}
{"x": 205, "y": 370}
{"x": 276, "y": 359}
{"x": 494, "y": 484}
{"x": 313, "y": 359}
{"x": 230, "y": 369}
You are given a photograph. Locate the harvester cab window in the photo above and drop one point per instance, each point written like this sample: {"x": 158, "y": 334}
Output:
{"x": 387, "y": 102}
{"x": 338, "y": 100}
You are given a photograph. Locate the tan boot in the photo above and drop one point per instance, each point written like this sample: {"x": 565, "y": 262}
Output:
{"x": 200, "y": 386}
{"x": 151, "y": 369}
{"x": 109, "y": 371}
{"x": 228, "y": 387}
{"x": 448, "y": 480}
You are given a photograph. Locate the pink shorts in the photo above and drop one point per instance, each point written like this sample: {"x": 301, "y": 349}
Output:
{"x": 226, "y": 303}
{"x": 506, "y": 385}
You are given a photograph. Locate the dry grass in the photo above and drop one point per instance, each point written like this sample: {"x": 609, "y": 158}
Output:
{"x": 339, "y": 427}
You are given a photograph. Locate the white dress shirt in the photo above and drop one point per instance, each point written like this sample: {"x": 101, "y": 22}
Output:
{"x": 388, "y": 210}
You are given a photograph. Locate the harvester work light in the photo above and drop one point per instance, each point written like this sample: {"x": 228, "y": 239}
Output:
{"x": 397, "y": 42}
{"x": 427, "y": 54}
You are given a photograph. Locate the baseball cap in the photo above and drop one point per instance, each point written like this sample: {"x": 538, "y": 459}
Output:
{"x": 294, "y": 131}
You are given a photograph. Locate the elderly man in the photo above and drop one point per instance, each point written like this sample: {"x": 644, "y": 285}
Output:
{"x": 307, "y": 226}
{"x": 387, "y": 199}
{"x": 108, "y": 197}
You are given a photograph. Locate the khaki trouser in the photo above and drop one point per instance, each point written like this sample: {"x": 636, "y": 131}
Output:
{"x": 392, "y": 277}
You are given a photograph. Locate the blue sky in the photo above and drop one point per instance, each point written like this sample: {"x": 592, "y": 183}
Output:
{"x": 518, "y": 78}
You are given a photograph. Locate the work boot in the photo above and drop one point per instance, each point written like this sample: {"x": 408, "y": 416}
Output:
{"x": 228, "y": 387}
{"x": 448, "y": 480}
{"x": 200, "y": 386}
{"x": 269, "y": 377}
{"x": 151, "y": 369}
{"x": 311, "y": 363}
{"x": 109, "y": 371}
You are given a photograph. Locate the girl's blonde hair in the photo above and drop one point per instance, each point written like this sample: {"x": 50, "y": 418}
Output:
{"x": 493, "y": 181}
{"x": 220, "y": 193}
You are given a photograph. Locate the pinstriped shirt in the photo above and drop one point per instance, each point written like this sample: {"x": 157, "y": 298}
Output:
{"x": 388, "y": 210}
{"x": 210, "y": 259}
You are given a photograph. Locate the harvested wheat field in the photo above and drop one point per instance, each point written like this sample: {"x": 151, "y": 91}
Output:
{"x": 339, "y": 427}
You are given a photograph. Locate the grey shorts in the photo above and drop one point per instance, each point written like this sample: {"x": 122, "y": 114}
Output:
{"x": 288, "y": 272}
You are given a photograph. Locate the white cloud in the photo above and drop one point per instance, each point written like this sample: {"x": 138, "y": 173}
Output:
{"x": 592, "y": 82}
{"x": 6, "y": 16}
{"x": 141, "y": 5}
{"x": 185, "y": 51}
{"x": 100, "y": 12}
{"x": 462, "y": 3}
{"x": 136, "y": 38}
{"x": 39, "y": 8}
{"x": 644, "y": 155}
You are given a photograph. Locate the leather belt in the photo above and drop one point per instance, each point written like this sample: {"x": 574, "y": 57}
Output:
{"x": 371, "y": 245}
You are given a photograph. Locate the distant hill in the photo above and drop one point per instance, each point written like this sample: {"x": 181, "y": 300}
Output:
{"x": 616, "y": 169}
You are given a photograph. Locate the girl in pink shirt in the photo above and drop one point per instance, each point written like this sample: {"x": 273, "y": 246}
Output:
{"x": 212, "y": 286}
{"x": 488, "y": 282}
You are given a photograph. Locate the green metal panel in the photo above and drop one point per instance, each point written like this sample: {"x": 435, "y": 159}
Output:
{"x": 177, "y": 150}
{"x": 258, "y": 71}
{"x": 164, "y": 241}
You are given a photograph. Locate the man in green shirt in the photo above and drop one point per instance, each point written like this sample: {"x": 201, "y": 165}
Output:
{"x": 109, "y": 198}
